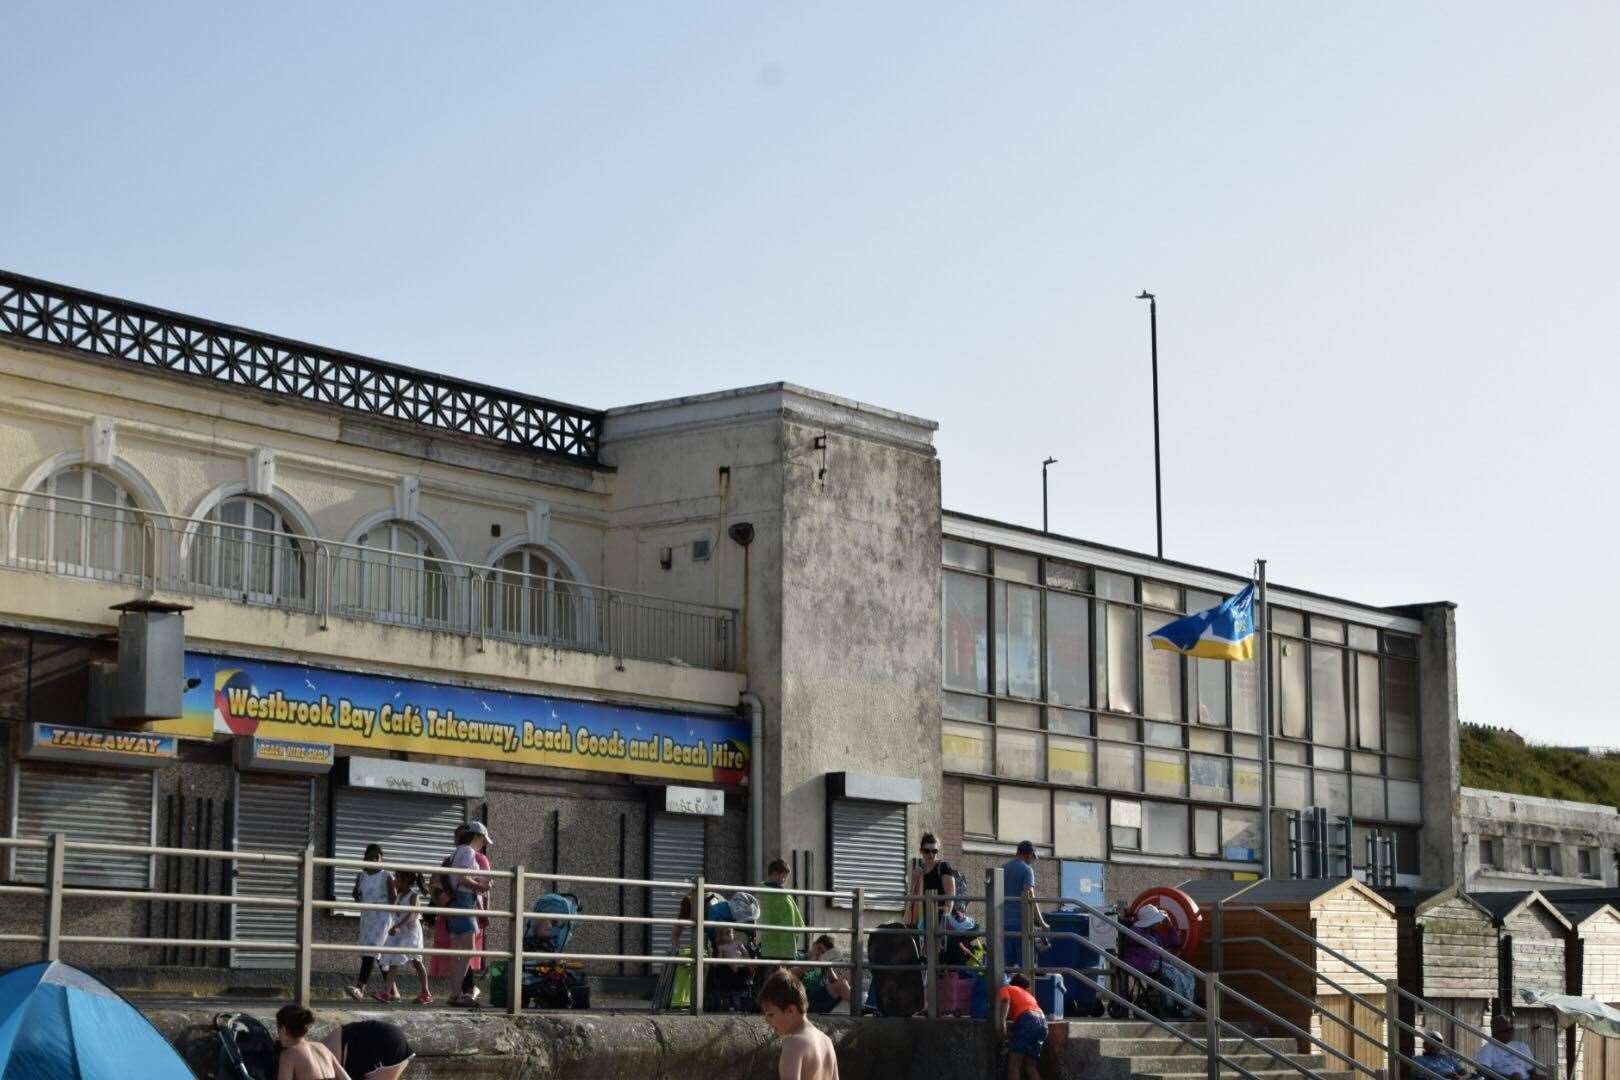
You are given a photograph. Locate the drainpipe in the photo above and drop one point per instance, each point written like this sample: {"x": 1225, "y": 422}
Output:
{"x": 756, "y": 796}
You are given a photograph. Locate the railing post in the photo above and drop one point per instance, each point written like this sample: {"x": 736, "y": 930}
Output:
{"x": 857, "y": 956}
{"x": 930, "y": 917}
{"x": 1392, "y": 1005}
{"x": 305, "y": 936}
{"x": 1212, "y": 995}
{"x": 55, "y": 869}
{"x": 697, "y": 945}
{"x": 610, "y": 617}
{"x": 995, "y": 894}
{"x": 1027, "y": 942}
{"x": 514, "y": 974}
{"x": 324, "y": 584}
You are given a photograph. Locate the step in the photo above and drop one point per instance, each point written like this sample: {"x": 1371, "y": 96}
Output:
{"x": 1164, "y": 1045}
{"x": 1187, "y": 1065}
{"x": 1141, "y": 1029}
{"x": 1233, "y": 1074}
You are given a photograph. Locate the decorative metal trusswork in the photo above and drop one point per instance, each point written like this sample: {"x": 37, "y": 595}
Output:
{"x": 104, "y": 326}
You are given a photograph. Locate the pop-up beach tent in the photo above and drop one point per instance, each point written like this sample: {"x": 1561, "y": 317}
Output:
{"x": 57, "y": 1023}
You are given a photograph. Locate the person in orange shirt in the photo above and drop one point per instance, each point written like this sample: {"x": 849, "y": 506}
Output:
{"x": 1018, "y": 1013}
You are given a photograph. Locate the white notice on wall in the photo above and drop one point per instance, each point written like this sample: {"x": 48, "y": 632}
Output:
{"x": 1081, "y": 812}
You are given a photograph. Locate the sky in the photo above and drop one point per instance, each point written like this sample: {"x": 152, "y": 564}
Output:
{"x": 1383, "y": 237}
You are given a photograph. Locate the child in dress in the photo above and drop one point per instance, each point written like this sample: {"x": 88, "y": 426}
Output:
{"x": 371, "y": 887}
{"x": 405, "y": 932}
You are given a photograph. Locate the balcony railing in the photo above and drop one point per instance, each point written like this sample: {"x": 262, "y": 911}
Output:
{"x": 70, "y": 537}
{"x": 114, "y": 329}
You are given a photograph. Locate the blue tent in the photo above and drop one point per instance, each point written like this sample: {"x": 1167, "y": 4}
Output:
{"x": 57, "y": 1023}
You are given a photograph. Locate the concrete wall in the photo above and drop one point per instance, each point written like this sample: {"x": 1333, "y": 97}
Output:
{"x": 1514, "y": 820}
{"x": 1440, "y": 838}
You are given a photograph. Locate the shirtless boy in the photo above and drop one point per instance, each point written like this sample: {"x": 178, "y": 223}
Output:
{"x": 302, "y": 1060}
{"x": 807, "y": 1054}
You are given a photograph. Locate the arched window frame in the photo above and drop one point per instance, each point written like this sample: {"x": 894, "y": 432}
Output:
{"x": 401, "y": 571}
{"x": 66, "y": 526}
{"x": 557, "y": 607}
{"x": 265, "y": 557}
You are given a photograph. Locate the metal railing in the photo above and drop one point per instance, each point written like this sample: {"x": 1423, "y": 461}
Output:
{"x": 71, "y": 537}
{"x": 106, "y": 327}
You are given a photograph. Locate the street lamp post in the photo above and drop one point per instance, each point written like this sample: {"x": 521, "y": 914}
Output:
{"x": 1158, "y": 489}
{"x": 1044, "y": 464}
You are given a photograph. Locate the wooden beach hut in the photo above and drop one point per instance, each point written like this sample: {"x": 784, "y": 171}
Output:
{"x": 1594, "y": 972}
{"x": 1345, "y": 916}
{"x": 1533, "y": 952}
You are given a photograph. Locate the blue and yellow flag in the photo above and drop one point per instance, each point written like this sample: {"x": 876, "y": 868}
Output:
{"x": 1224, "y": 632}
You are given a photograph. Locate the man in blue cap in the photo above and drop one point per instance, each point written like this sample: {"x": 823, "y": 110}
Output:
{"x": 1019, "y": 878}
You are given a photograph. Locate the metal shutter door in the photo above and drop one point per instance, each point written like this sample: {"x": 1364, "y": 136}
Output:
{"x": 677, "y": 855}
{"x": 272, "y": 814}
{"x": 111, "y": 806}
{"x": 869, "y": 848}
{"x": 411, "y": 828}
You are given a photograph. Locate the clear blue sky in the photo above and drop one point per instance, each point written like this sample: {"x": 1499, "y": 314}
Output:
{"x": 1384, "y": 237}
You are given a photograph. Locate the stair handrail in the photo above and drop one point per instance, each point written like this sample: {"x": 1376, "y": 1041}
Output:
{"x": 1393, "y": 1020}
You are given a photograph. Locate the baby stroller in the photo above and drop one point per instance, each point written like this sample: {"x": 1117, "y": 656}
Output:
{"x": 247, "y": 1051}
{"x": 728, "y": 988}
{"x": 550, "y": 983}
{"x": 898, "y": 993}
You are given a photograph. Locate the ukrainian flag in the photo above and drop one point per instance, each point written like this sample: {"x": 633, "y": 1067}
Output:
{"x": 1224, "y": 632}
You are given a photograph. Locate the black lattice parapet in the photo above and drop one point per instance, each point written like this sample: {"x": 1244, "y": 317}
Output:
{"x": 40, "y": 311}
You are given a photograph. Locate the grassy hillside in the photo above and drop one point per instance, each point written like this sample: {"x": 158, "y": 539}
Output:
{"x": 1501, "y": 761}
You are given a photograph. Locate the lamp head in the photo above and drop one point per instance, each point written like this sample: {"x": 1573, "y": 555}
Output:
{"x": 1145, "y": 295}
{"x": 1049, "y": 461}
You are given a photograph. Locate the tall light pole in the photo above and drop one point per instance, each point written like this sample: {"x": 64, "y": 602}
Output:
{"x": 1158, "y": 488}
{"x": 1044, "y": 464}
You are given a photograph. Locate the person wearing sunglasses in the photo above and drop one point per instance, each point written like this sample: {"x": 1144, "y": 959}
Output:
{"x": 930, "y": 874}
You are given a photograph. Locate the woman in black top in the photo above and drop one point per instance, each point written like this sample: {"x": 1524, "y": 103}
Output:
{"x": 930, "y": 874}
{"x": 371, "y": 1049}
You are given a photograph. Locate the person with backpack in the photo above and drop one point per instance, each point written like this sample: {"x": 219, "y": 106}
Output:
{"x": 930, "y": 874}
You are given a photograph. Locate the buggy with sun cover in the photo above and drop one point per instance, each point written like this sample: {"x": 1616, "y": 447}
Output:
{"x": 550, "y": 983}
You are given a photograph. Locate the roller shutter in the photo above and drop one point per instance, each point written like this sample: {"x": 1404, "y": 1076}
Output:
{"x": 272, "y": 814}
{"x": 677, "y": 855}
{"x": 411, "y": 828}
{"x": 869, "y": 849}
{"x": 112, "y": 806}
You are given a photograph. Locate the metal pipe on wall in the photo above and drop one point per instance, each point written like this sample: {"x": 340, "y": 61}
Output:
{"x": 756, "y": 800}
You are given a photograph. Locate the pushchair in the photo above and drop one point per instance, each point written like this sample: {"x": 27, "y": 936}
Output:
{"x": 247, "y": 1051}
{"x": 551, "y": 983}
{"x": 726, "y": 987}
{"x": 899, "y": 992}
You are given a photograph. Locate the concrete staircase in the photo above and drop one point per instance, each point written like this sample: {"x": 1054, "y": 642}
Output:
{"x": 1137, "y": 1050}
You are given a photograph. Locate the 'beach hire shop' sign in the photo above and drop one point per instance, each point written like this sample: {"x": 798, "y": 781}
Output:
{"x": 287, "y": 701}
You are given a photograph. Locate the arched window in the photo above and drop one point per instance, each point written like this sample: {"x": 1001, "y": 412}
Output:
{"x": 530, "y": 595}
{"x": 87, "y": 525}
{"x": 246, "y": 546}
{"x": 396, "y": 573}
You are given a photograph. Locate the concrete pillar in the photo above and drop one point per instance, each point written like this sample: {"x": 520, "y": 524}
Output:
{"x": 1441, "y": 837}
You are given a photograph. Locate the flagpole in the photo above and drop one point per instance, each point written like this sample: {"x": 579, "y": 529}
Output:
{"x": 1265, "y": 721}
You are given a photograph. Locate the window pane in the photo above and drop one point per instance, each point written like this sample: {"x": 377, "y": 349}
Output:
{"x": 978, "y": 810}
{"x": 1327, "y": 695}
{"x": 1210, "y": 677}
{"x": 1284, "y": 621}
{"x": 1206, "y": 832}
{"x": 1291, "y": 753}
{"x": 1369, "y": 724}
{"x": 1333, "y": 791}
{"x": 1327, "y": 629}
{"x": 1288, "y": 686}
{"x": 1246, "y": 782}
{"x": 966, "y": 634}
{"x": 1119, "y": 767}
{"x": 1364, "y": 637}
{"x": 965, "y": 748}
{"x": 1162, "y": 734}
{"x": 1326, "y": 758}
{"x": 1020, "y": 755}
{"x": 1023, "y": 814}
{"x": 1289, "y": 787}
{"x": 1159, "y": 594}
{"x": 967, "y": 556}
{"x": 1161, "y": 673}
{"x": 1018, "y": 641}
{"x": 1164, "y": 828}
{"x": 1210, "y": 741}
{"x": 1211, "y": 778}
{"x": 1018, "y": 714}
{"x": 967, "y": 707}
{"x": 1245, "y": 695}
{"x": 1068, "y": 649}
{"x": 1125, "y": 824}
{"x": 1123, "y": 645}
{"x": 1068, "y": 723}
{"x": 1017, "y": 567}
{"x": 1400, "y": 707}
{"x": 1368, "y": 795}
{"x": 1165, "y": 772}
{"x": 1114, "y": 727}
{"x": 1072, "y": 761}
{"x": 1402, "y": 768}
{"x": 1078, "y": 825}
{"x": 1246, "y": 746}
{"x": 1068, "y": 576}
{"x": 1116, "y": 586}
{"x": 1240, "y": 835}
{"x": 1400, "y": 645}
{"x": 1367, "y": 764}
{"x": 1405, "y": 801}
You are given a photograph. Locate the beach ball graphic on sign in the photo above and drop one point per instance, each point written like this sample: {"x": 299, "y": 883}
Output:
{"x": 225, "y": 681}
